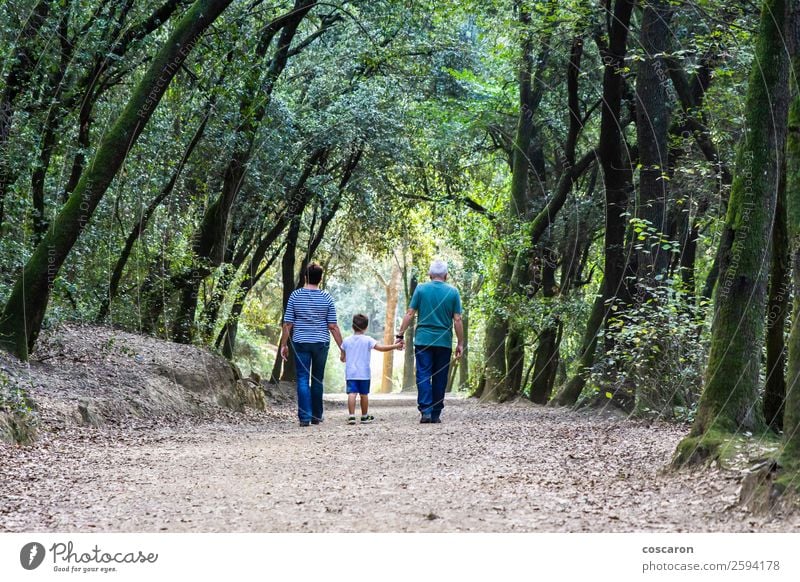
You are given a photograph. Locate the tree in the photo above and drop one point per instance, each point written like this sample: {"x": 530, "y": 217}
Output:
{"x": 24, "y": 311}
{"x": 737, "y": 332}
{"x": 392, "y": 287}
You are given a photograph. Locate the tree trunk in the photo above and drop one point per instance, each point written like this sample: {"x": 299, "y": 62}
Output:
{"x": 730, "y": 395}
{"x": 463, "y": 367}
{"x": 22, "y": 65}
{"x": 616, "y": 169}
{"x": 24, "y": 311}
{"x": 777, "y": 312}
{"x": 409, "y": 375}
{"x": 493, "y": 385}
{"x": 652, "y": 131}
{"x": 571, "y": 391}
{"x": 289, "y": 285}
{"x": 497, "y": 383}
{"x": 790, "y": 458}
{"x": 392, "y": 296}
{"x": 227, "y": 336}
{"x": 617, "y": 182}
{"x": 547, "y": 352}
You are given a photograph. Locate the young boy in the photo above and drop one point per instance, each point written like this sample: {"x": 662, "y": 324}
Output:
{"x": 356, "y": 351}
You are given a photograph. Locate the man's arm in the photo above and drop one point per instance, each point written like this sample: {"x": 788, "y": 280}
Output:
{"x": 406, "y": 322}
{"x": 284, "y": 343}
{"x": 459, "y": 325}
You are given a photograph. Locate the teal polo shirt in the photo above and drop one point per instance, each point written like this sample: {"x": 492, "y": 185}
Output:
{"x": 436, "y": 303}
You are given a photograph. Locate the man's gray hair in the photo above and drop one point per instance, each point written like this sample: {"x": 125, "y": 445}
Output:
{"x": 438, "y": 268}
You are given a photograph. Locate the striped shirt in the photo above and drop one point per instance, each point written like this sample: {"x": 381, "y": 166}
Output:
{"x": 310, "y": 311}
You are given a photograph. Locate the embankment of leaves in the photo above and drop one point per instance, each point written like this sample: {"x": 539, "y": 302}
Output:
{"x": 91, "y": 375}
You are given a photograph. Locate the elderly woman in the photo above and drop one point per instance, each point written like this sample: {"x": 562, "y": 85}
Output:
{"x": 309, "y": 321}
{"x": 438, "y": 309}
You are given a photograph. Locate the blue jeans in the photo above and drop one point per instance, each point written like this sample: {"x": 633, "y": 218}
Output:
{"x": 310, "y": 359}
{"x": 433, "y": 366}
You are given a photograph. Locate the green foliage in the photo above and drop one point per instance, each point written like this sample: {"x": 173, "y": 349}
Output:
{"x": 18, "y": 416}
{"x": 428, "y": 92}
{"x": 658, "y": 358}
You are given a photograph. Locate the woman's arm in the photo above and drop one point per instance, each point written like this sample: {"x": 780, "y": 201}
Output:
{"x": 336, "y": 333}
{"x": 285, "y": 335}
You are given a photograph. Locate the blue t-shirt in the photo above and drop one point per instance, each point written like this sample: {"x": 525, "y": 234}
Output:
{"x": 436, "y": 303}
{"x": 310, "y": 311}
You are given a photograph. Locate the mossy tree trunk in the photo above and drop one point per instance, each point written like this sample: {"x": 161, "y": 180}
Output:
{"x": 571, "y": 391}
{"x": 790, "y": 456}
{"x": 729, "y": 402}
{"x": 502, "y": 340}
{"x": 547, "y": 352}
{"x": 25, "y": 308}
{"x": 777, "y": 312}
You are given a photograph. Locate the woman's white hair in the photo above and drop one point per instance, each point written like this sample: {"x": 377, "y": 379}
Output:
{"x": 438, "y": 268}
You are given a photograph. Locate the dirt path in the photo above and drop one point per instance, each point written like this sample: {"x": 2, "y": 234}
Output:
{"x": 485, "y": 468}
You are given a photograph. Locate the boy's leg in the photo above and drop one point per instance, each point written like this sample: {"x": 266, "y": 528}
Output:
{"x": 441, "y": 371}
{"x": 319, "y": 356}
{"x": 424, "y": 359}
{"x": 302, "y": 361}
{"x": 351, "y": 403}
{"x": 363, "y": 389}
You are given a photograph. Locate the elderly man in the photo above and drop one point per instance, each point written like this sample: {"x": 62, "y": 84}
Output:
{"x": 438, "y": 307}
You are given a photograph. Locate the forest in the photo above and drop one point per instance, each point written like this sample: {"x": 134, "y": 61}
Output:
{"x": 614, "y": 184}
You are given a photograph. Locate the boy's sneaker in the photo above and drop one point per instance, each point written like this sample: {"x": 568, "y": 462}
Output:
{"x": 304, "y": 423}
{"x": 366, "y": 418}
{"x": 351, "y": 420}
{"x": 425, "y": 419}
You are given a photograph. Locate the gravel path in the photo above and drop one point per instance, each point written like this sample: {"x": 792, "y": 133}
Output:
{"x": 490, "y": 468}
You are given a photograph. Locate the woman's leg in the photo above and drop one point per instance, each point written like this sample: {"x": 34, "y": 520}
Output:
{"x": 302, "y": 359}
{"x": 319, "y": 357}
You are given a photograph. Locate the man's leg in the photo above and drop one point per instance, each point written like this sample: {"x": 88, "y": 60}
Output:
{"x": 319, "y": 356}
{"x": 302, "y": 360}
{"x": 424, "y": 360}
{"x": 441, "y": 370}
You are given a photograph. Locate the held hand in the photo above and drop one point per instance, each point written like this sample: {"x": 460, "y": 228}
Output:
{"x": 285, "y": 352}
{"x": 399, "y": 345}
{"x": 342, "y": 356}
{"x": 459, "y": 351}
